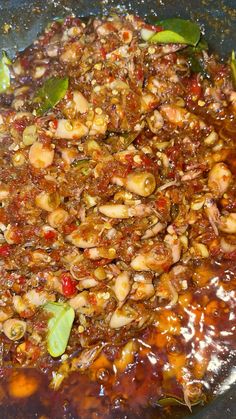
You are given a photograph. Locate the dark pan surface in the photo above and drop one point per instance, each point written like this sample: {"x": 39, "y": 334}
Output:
{"x": 26, "y": 18}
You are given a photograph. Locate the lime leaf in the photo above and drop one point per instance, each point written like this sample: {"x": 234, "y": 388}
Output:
{"x": 195, "y": 64}
{"x": 128, "y": 138}
{"x": 50, "y": 93}
{"x": 122, "y": 141}
{"x": 202, "y": 45}
{"x": 59, "y": 327}
{"x": 233, "y": 68}
{"x": 4, "y": 72}
{"x": 177, "y": 31}
{"x": 195, "y": 57}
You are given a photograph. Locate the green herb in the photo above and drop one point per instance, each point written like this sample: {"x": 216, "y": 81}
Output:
{"x": 59, "y": 327}
{"x": 194, "y": 55}
{"x": 129, "y": 138}
{"x": 202, "y": 45}
{"x": 51, "y": 92}
{"x": 174, "y": 210}
{"x": 233, "y": 68}
{"x": 122, "y": 141}
{"x": 56, "y": 19}
{"x": 177, "y": 31}
{"x": 85, "y": 171}
{"x": 4, "y": 72}
{"x": 195, "y": 64}
{"x": 82, "y": 165}
{"x": 59, "y": 19}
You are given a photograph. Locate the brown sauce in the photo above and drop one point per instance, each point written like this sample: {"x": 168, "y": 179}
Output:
{"x": 181, "y": 344}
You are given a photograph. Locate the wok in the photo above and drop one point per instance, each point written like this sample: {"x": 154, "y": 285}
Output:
{"x": 218, "y": 19}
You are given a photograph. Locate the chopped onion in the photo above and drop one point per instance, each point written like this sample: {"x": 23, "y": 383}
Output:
{"x": 167, "y": 185}
{"x": 146, "y": 34}
{"x": 86, "y": 358}
{"x": 227, "y": 247}
{"x": 173, "y": 293}
{"x": 30, "y": 135}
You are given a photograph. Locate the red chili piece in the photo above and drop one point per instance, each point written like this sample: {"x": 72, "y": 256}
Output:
{"x": 68, "y": 285}
{"x": 161, "y": 203}
{"x": 195, "y": 88}
{"x": 50, "y": 235}
{"x": 5, "y": 250}
{"x": 69, "y": 228}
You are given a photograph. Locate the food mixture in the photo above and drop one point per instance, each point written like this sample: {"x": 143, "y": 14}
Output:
{"x": 117, "y": 219}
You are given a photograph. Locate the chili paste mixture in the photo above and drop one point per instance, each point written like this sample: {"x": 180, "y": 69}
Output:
{"x": 117, "y": 221}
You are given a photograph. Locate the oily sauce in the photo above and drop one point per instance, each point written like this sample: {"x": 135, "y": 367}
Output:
{"x": 148, "y": 266}
{"x": 208, "y": 332}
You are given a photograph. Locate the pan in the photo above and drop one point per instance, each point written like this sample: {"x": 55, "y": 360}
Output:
{"x": 22, "y": 20}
